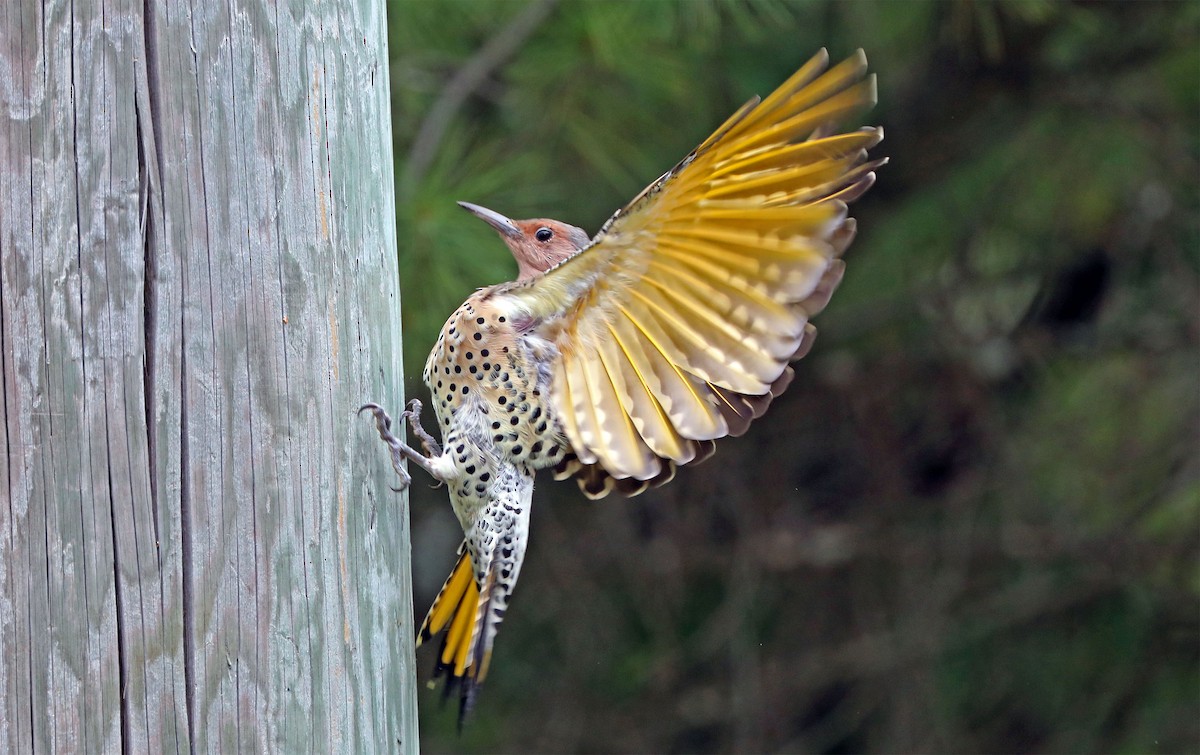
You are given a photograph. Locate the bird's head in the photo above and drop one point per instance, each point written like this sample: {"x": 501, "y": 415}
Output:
{"x": 537, "y": 245}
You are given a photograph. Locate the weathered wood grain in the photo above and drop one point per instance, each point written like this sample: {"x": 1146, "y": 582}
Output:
{"x": 198, "y": 546}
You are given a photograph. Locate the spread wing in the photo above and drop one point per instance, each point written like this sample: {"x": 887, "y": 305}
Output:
{"x": 676, "y": 325}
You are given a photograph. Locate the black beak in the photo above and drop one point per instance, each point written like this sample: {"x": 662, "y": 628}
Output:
{"x": 503, "y": 225}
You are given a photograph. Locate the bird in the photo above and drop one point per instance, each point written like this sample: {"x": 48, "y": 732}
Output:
{"x": 616, "y": 358}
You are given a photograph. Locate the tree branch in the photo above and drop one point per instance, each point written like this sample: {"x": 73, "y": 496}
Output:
{"x": 468, "y": 79}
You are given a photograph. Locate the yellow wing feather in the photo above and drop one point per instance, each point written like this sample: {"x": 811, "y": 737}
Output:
{"x": 650, "y": 419}
{"x": 566, "y": 407}
{"x": 676, "y": 325}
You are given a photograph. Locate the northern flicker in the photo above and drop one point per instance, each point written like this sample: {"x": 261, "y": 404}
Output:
{"x": 616, "y": 358}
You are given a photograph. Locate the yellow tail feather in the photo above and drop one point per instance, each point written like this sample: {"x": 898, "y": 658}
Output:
{"x": 449, "y": 598}
{"x": 457, "y": 610}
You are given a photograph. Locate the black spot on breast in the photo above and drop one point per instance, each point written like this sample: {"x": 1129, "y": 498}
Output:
{"x": 514, "y": 421}
{"x": 495, "y": 425}
{"x": 483, "y": 352}
{"x": 536, "y": 448}
{"x": 516, "y": 450}
{"x": 500, "y": 400}
{"x": 478, "y": 336}
{"x": 485, "y": 477}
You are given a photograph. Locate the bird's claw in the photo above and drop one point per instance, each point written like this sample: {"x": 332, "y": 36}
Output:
{"x": 413, "y": 415}
{"x": 396, "y": 447}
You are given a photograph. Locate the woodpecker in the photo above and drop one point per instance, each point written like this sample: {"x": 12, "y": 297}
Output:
{"x": 616, "y": 358}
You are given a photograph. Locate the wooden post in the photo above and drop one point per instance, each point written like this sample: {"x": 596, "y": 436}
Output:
{"x": 199, "y": 550}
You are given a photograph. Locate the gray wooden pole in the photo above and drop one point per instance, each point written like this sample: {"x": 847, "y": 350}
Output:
{"x": 198, "y": 547}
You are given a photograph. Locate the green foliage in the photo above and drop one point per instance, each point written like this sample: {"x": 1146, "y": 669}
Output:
{"x": 973, "y": 522}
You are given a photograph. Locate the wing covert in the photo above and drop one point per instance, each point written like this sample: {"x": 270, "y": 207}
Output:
{"x": 676, "y": 325}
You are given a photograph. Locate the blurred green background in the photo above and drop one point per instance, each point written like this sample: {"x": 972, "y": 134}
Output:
{"x": 973, "y": 522}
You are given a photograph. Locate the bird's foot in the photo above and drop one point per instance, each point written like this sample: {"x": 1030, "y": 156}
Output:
{"x": 398, "y": 449}
{"x": 413, "y": 415}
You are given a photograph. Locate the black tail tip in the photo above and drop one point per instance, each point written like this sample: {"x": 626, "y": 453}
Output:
{"x": 466, "y": 702}
{"x": 466, "y": 686}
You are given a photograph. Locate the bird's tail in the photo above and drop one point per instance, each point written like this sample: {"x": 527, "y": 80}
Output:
{"x": 462, "y": 609}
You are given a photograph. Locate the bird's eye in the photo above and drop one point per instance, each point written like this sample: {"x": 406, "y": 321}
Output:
{"x": 544, "y": 234}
